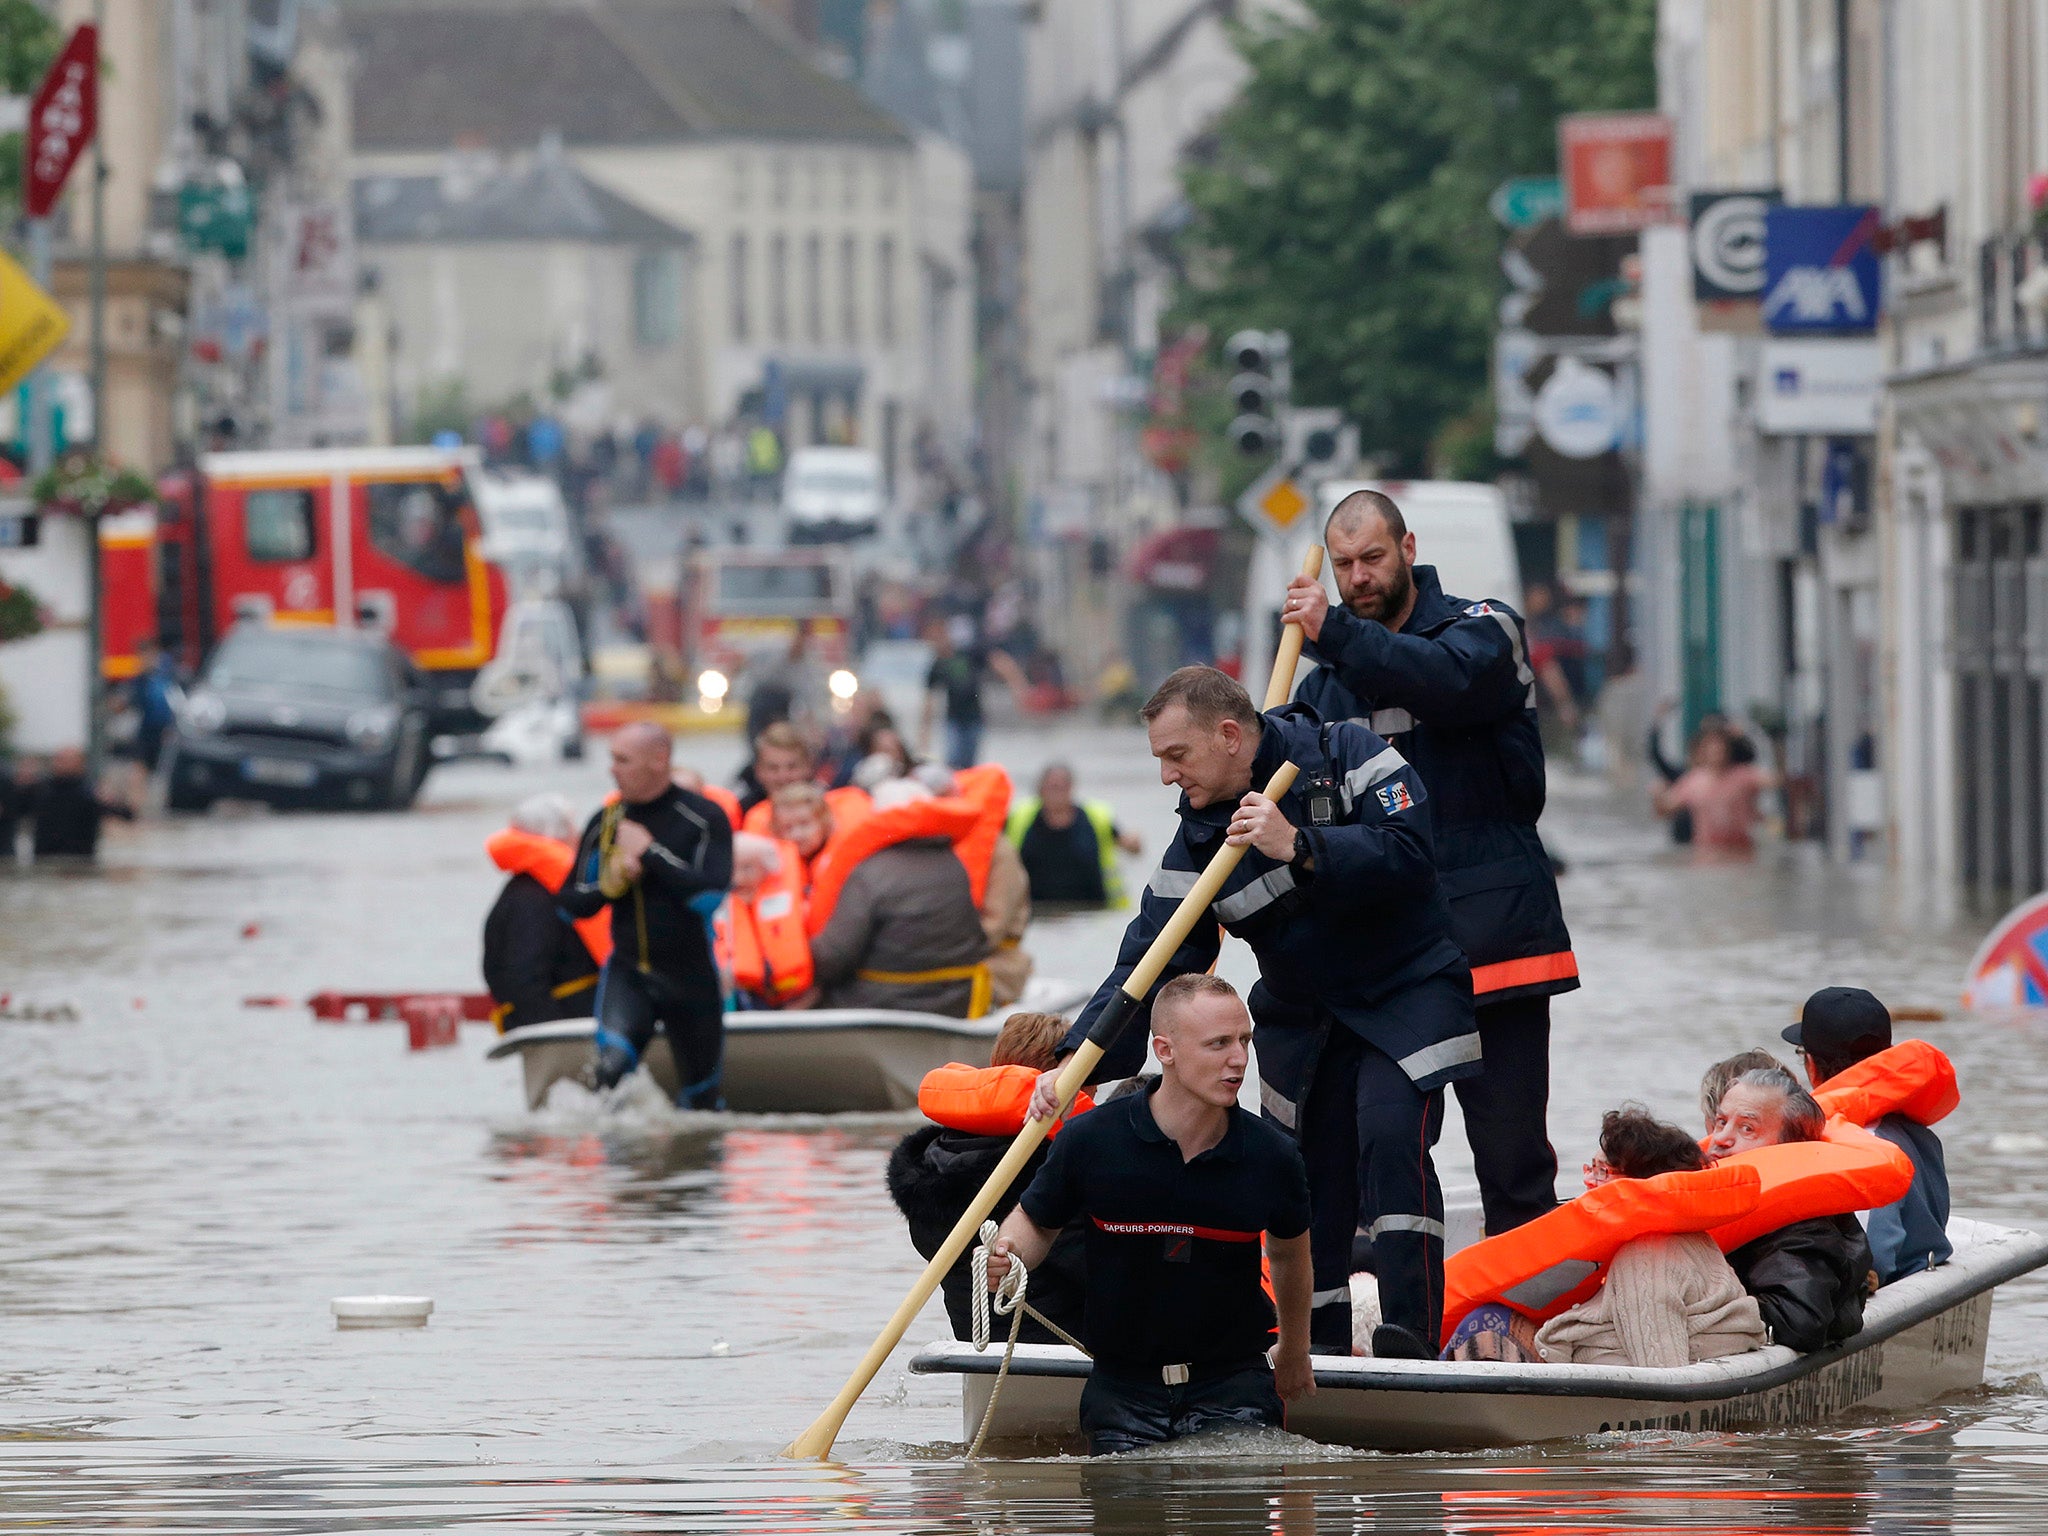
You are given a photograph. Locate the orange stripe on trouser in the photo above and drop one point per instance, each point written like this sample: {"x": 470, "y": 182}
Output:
{"x": 1526, "y": 972}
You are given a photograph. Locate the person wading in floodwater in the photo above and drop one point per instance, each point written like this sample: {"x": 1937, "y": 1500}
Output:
{"x": 661, "y": 858}
{"x": 1175, "y": 1185}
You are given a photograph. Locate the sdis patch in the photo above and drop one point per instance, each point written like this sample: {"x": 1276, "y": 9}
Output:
{"x": 1395, "y": 797}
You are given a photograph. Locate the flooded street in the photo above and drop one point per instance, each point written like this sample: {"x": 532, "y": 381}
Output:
{"x": 634, "y": 1309}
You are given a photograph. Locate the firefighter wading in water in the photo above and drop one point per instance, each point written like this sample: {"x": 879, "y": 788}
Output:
{"x": 1447, "y": 681}
{"x": 1363, "y": 1009}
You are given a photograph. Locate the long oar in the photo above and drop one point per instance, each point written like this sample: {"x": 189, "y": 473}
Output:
{"x": 1123, "y": 1007}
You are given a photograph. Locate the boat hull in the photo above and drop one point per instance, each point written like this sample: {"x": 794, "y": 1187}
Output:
{"x": 1923, "y": 1337}
{"x": 817, "y": 1061}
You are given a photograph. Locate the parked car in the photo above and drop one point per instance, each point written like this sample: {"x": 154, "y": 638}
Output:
{"x": 302, "y": 716}
{"x": 830, "y": 494}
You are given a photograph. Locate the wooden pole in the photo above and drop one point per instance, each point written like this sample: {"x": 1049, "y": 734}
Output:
{"x": 816, "y": 1442}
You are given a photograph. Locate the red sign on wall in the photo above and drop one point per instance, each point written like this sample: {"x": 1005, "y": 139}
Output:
{"x": 61, "y": 120}
{"x": 1617, "y": 171}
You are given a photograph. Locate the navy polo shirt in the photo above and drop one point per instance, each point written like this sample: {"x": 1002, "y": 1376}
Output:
{"x": 1173, "y": 1246}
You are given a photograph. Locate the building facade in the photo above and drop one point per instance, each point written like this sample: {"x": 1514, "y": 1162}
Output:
{"x": 832, "y": 291}
{"x": 1118, "y": 93}
{"x": 1885, "y": 587}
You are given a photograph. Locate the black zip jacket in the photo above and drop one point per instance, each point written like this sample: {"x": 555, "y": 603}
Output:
{"x": 1454, "y": 692}
{"x": 535, "y": 965}
{"x": 682, "y": 878}
{"x": 1809, "y": 1280}
{"x": 933, "y": 1173}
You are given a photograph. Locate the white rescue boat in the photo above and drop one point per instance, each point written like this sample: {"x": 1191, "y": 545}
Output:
{"x": 800, "y": 1061}
{"x": 1922, "y": 1337}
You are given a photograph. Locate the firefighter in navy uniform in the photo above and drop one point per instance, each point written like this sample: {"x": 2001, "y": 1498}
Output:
{"x": 1448, "y": 681}
{"x": 1363, "y": 1007}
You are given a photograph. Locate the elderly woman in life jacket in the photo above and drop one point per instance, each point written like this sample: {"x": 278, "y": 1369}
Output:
{"x": 1809, "y": 1277}
{"x": 1668, "y": 1300}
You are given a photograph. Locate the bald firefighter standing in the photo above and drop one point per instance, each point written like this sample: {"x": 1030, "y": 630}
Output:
{"x": 1447, "y": 681}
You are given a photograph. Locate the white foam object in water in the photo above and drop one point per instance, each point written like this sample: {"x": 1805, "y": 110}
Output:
{"x": 381, "y": 1311}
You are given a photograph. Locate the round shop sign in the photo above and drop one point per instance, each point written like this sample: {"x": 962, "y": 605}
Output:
{"x": 1728, "y": 245}
{"x": 1577, "y": 411}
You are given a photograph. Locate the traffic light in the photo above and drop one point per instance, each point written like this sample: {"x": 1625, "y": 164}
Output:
{"x": 1258, "y": 390}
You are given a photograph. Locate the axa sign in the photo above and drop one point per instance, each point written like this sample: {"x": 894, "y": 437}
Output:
{"x": 1821, "y": 273}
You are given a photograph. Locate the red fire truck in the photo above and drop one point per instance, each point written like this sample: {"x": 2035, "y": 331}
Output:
{"x": 384, "y": 538}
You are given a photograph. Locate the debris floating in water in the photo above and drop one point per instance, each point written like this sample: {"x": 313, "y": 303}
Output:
{"x": 250, "y": 930}
{"x": 381, "y": 1311}
{"x": 720, "y": 1348}
{"x": 36, "y": 1013}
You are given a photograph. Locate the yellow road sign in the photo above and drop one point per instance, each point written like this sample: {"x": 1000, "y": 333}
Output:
{"x": 31, "y": 323}
{"x": 1283, "y": 503}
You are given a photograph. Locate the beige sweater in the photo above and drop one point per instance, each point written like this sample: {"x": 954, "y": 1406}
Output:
{"x": 1667, "y": 1301}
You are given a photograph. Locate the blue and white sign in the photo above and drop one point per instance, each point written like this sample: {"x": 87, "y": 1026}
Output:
{"x": 1821, "y": 273}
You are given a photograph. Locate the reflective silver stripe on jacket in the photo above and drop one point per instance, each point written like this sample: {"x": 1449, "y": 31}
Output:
{"x": 1384, "y": 765}
{"x": 1524, "y": 673}
{"x": 1432, "y": 1059}
{"x": 1257, "y": 896}
{"x": 1388, "y": 722}
{"x": 1324, "y": 1298}
{"x": 1420, "y": 1224}
{"x": 1277, "y": 1104}
{"x": 1546, "y": 1286}
{"x": 1172, "y": 884}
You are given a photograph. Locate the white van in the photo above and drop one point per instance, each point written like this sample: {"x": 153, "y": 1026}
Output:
{"x": 529, "y": 533}
{"x": 1460, "y": 527}
{"x": 833, "y": 493}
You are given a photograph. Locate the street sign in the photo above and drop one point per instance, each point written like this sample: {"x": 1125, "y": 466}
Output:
{"x": 1521, "y": 201}
{"x": 1578, "y": 410}
{"x": 31, "y": 323}
{"x": 61, "y": 121}
{"x": 1283, "y": 503}
{"x": 1728, "y": 244}
{"x": 216, "y": 218}
{"x": 1821, "y": 273}
{"x": 1617, "y": 171}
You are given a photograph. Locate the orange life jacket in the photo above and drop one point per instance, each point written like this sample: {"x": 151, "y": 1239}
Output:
{"x": 985, "y": 1101}
{"x": 761, "y": 938}
{"x": 952, "y": 817}
{"x": 1911, "y": 1078}
{"x": 1559, "y": 1259}
{"x": 1847, "y": 1170}
{"x": 987, "y": 786}
{"x": 849, "y": 806}
{"x": 726, "y": 801}
{"x": 550, "y": 862}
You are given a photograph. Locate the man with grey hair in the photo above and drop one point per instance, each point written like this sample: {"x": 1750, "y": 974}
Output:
{"x": 1809, "y": 1278}
{"x": 660, "y": 857}
{"x": 537, "y": 966}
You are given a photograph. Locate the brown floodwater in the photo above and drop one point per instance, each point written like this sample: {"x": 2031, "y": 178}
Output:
{"x": 635, "y": 1309}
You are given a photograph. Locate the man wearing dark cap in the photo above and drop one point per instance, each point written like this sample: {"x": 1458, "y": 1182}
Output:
{"x": 1838, "y": 1027}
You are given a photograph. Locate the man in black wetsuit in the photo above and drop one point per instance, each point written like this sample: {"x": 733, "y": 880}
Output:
{"x": 661, "y": 856}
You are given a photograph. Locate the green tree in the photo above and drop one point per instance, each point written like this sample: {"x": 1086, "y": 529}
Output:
{"x": 1345, "y": 198}
{"x": 29, "y": 40}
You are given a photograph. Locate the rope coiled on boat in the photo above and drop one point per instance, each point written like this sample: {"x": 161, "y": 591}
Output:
{"x": 1007, "y": 1301}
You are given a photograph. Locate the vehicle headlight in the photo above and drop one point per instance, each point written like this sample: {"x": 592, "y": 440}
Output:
{"x": 204, "y": 713}
{"x": 370, "y": 730}
{"x": 712, "y": 687}
{"x": 844, "y": 684}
